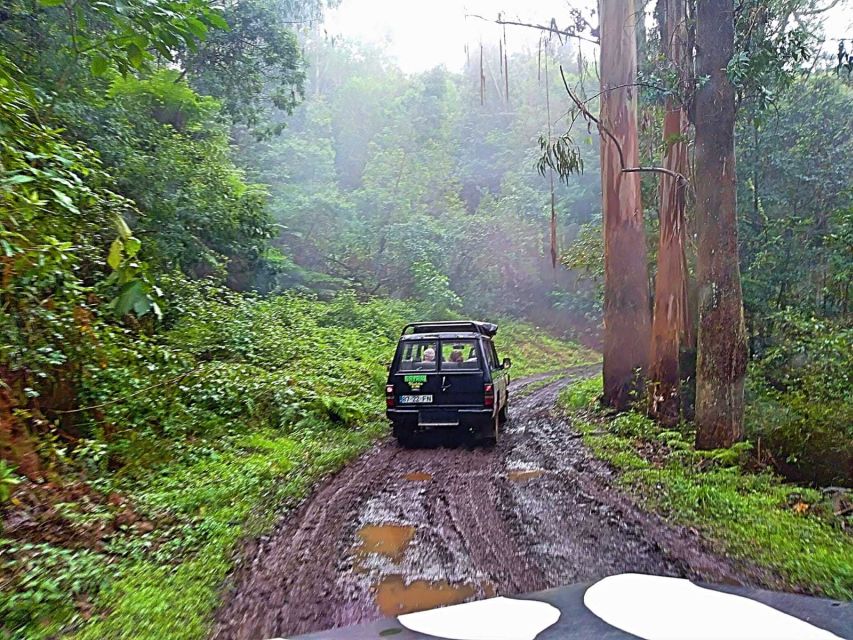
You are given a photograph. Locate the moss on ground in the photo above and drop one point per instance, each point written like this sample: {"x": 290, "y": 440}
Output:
{"x": 753, "y": 517}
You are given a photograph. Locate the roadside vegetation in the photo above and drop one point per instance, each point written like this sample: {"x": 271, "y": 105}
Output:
{"x": 236, "y": 411}
{"x": 746, "y": 511}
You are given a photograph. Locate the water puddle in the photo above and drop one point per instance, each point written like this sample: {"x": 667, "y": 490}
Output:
{"x": 395, "y": 597}
{"x": 522, "y": 475}
{"x": 389, "y": 540}
{"x": 418, "y": 476}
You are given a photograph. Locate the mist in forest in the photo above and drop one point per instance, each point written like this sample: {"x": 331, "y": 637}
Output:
{"x": 425, "y": 185}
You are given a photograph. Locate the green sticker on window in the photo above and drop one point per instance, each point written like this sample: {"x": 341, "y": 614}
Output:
{"x": 410, "y": 379}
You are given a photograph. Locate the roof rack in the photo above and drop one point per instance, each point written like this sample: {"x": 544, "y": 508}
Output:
{"x": 484, "y": 328}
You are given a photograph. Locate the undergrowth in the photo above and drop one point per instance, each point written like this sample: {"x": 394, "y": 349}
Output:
{"x": 202, "y": 434}
{"x": 754, "y": 517}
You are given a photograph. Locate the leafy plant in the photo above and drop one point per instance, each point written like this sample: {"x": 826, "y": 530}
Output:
{"x": 8, "y": 479}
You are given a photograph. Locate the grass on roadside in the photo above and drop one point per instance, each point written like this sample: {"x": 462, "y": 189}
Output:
{"x": 755, "y": 518}
{"x": 235, "y": 493}
{"x": 533, "y": 350}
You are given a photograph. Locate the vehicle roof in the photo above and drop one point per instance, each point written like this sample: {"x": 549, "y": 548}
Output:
{"x": 451, "y": 326}
{"x": 444, "y": 335}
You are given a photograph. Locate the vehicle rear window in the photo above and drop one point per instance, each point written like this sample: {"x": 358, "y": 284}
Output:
{"x": 459, "y": 355}
{"x": 419, "y": 355}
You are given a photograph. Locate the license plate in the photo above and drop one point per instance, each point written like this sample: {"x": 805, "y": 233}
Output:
{"x": 415, "y": 399}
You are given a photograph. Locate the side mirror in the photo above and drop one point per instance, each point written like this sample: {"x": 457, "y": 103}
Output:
{"x": 507, "y": 363}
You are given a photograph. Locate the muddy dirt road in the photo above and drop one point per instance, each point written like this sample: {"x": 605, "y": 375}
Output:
{"x": 402, "y": 530}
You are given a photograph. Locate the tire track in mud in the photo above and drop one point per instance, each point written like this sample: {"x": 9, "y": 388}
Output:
{"x": 536, "y": 511}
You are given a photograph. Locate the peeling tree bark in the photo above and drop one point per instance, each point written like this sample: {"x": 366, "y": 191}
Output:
{"x": 721, "y": 364}
{"x": 670, "y": 320}
{"x": 626, "y": 286}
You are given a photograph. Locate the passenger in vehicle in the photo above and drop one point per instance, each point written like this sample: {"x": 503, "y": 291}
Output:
{"x": 429, "y": 354}
{"x": 456, "y": 356}
{"x": 471, "y": 362}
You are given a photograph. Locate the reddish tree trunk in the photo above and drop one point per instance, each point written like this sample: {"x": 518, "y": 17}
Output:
{"x": 626, "y": 286}
{"x": 721, "y": 360}
{"x": 16, "y": 445}
{"x": 670, "y": 321}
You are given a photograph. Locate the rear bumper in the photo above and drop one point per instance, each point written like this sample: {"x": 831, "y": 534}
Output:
{"x": 445, "y": 418}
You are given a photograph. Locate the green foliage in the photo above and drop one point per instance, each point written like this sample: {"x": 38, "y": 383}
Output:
{"x": 799, "y": 405}
{"x": 170, "y": 153}
{"x": 94, "y": 37}
{"x": 769, "y": 49}
{"x": 408, "y": 187}
{"x": 8, "y": 479}
{"x": 58, "y": 216}
{"x": 209, "y": 427}
{"x": 250, "y": 80}
{"x": 585, "y": 394}
{"x": 533, "y": 350}
{"x": 433, "y": 287}
{"x": 796, "y": 204}
{"x": 753, "y": 517}
{"x": 49, "y": 580}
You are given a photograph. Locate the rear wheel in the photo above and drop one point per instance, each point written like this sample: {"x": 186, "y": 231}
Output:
{"x": 405, "y": 437}
{"x": 491, "y": 429}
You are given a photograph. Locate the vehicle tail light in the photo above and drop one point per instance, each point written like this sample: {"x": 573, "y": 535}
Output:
{"x": 489, "y": 395}
{"x": 389, "y": 396}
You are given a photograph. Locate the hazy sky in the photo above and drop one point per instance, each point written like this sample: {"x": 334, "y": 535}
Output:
{"x": 422, "y": 35}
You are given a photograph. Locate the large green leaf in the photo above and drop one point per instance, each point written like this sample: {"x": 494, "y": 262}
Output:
{"x": 197, "y": 27}
{"x": 116, "y": 250}
{"x": 217, "y": 21}
{"x": 129, "y": 296}
{"x": 99, "y": 65}
{"x": 135, "y": 55}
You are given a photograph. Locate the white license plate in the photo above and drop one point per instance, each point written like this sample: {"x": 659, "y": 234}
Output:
{"x": 415, "y": 399}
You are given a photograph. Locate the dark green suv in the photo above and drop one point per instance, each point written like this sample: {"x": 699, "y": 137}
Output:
{"x": 447, "y": 375}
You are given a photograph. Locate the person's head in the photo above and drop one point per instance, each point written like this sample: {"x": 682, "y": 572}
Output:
{"x": 429, "y": 354}
{"x": 456, "y": 355}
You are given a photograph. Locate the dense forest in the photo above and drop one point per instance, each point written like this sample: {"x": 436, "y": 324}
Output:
{"x": 214, "y": 221}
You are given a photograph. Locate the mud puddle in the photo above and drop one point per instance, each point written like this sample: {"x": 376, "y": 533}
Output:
{"x": 523, "y": 475}
{"x": 394, "y": 597}
{"x": 418, "y": 476}
{"x": 389, "y": 540}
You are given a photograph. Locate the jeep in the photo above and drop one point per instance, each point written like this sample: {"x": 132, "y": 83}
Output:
{"x": 446, "y": 375}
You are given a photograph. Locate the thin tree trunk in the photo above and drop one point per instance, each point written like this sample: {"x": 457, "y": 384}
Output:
{"x": 670, "y": 320}
{"x": 721, "y": 364}
{"x": 626, "y": 287}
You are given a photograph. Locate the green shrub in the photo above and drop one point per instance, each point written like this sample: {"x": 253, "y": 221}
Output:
{"x": 799, "y": 404}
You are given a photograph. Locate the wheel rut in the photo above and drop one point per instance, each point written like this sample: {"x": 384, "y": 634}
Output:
{"x": 448, "y": 525}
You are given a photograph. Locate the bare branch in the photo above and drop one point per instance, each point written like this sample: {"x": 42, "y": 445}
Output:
{"x": 541, "y": 27}
{"x": 581, "y": 105}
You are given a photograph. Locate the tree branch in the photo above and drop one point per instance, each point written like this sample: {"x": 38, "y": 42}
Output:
{"x": 552, "y": 28}
{"x": 682, "y": 180}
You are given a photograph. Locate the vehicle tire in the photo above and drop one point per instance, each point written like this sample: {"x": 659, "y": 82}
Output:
{"x": 502, "y": 415}
{"x": 405, "y": 438}
{"x": 492, "y": 428}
